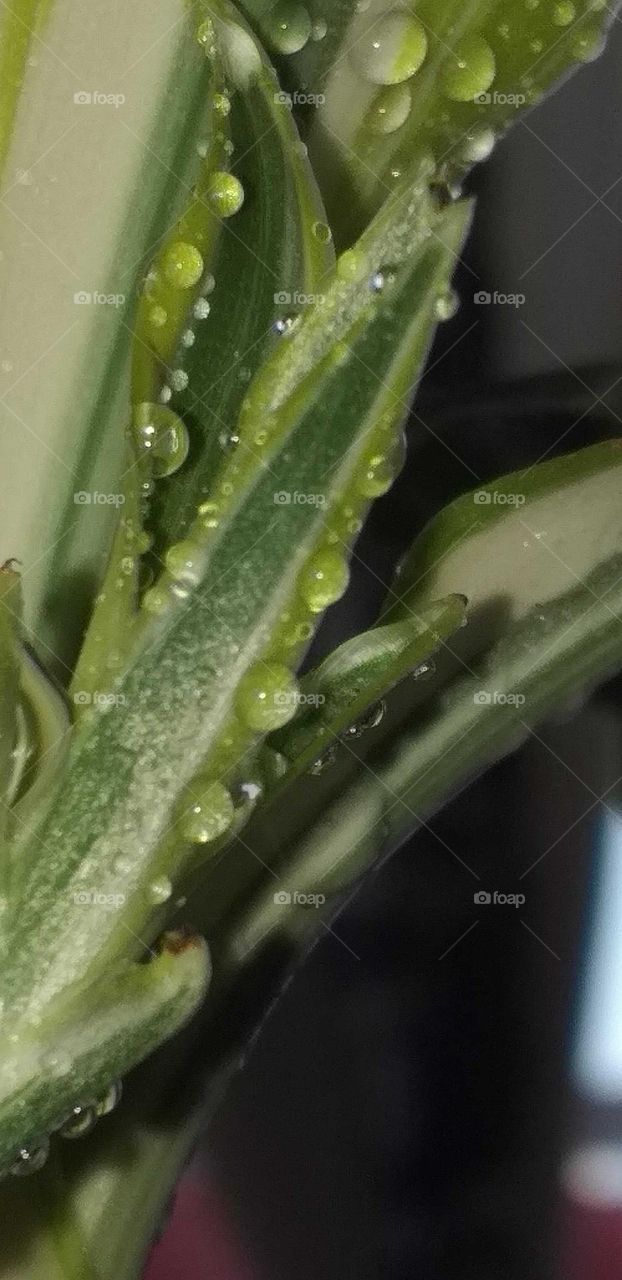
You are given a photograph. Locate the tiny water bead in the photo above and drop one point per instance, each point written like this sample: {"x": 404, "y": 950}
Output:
{"x": 324, "y": 580}
{"x": 324, "y": 762}
{"x": 211, "y": 815}
{"x": 350, "y": 264}
{"x": 447, "y": 305}
{"x": 390, "y": 110}
{"x": 319, "y": 29}
{"x": 267, "y": 696}
{"x": 182, "y": 265}
{"x": 157, "y": 317}
{"x": 322, "y": 232}
{"x": 160, "y": 890}
{"x": 479, "y": 144}
{"x": 162, "y": 435}
{"x": 30, "y": 1160}
{"x": 79, "y": 1122}
{"x": 182, "y": 561}
{"x": 564, "y": 13}
{"x": 588, "y": 44}
{"x": 289, "y": 26}
{"x": 109, "y": 1100}
{"x": 470, "y": 70}
{"x": 392, "y": 50}
{"x": 201, "y": 309}
{"x": 225, "y": 193}
{"x": 222, "y": 104}
{"x": 370, "y": 720}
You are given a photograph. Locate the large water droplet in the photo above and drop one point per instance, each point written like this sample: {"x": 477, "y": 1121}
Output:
{"x": 391, "y": 109}
{"x": 470, "y": 70}
{"x": 289, "y": 26}
{"x": 211, "y": 815}
{"x": 182, "y": 265}
{"x": 324, "y": 580}
{"x": 30, "y": 1160}
{"x": 267, "y": 696}
{"x": 163, "y": 434}
{"x": 225, "y": 193}
{"x": 392, "y": 50}
{"x": 159, "y": 890}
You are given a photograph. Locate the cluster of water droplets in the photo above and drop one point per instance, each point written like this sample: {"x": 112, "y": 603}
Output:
{"x": 80, "y": 1120}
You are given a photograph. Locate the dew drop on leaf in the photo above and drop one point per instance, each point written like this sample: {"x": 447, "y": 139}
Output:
{"x": 225, "y": 193}
{"x": 30, "y": 1160}
{"x": 210, "y": 816}
{"x": 182, "y": 265}
{"x": 564, "y": 13}
{"x": 392, "y": 50}
{"x": 159, "y": 890}
{"x": 78, "y": 1123}
{"x": 109, "y": 1100}
{"x": 323, "y": 580}
{"x": 470, "y": 69}
{"x": 390, "y": 110}
{"x": 289, "y": 26}
{"x": 267, "y": 696}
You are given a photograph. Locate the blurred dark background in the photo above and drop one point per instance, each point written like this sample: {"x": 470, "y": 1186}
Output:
{"x": 432, "y": 1098}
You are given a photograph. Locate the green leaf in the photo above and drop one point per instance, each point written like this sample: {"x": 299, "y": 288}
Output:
{"x": 351, "y": 684}
{"x": 516, "y": 542}
{"x": 92, "y": 1043}
{"x": 558, "y": 650}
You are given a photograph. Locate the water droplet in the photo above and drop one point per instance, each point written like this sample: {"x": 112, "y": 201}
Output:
{"x": 324, "y": 580}
{"x": 390, "y": 110}
{"x": 210, "y": 816}
{"x": 157, "y": 317}
{"x": 479, "y": 144}
{"x": 377, "y": 282}
{"x": 182, "y": 561}
{"x": 206, "y": 35}
{"x": 182, "y": 265}
{"x": 426, "y": 668}
{"x": 160, "y": 890}
{"x": 165, "y": 436}
{"x": 209, "y": 513}
{"x": 319, "y": 29}
{"x": 322, "y": 232}
{"x": 109, "y": 1100}
{"x": 324, "y": 762}
{"x": 470, "y": 70}
{"x": 447, "y": 305}
{"x": 30, "y": 1160}
{"x": 267, "y": 696}
{"x": 392, "y": 50}
{"x": 564, "y": 13}
{"x": 188, "y": 338}
{"x": 289, "y": 26}
{"x": 225, "y": 193}
{"x": 201, "y": 309}
{"x": 179, "y": 379}
{"x": 80, "y": 1122}
{"x": 222, "y": 104}
{"x": 350, "y": 264}
{"x": 365, "y": 723}
{"x": 588, "y": 44}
